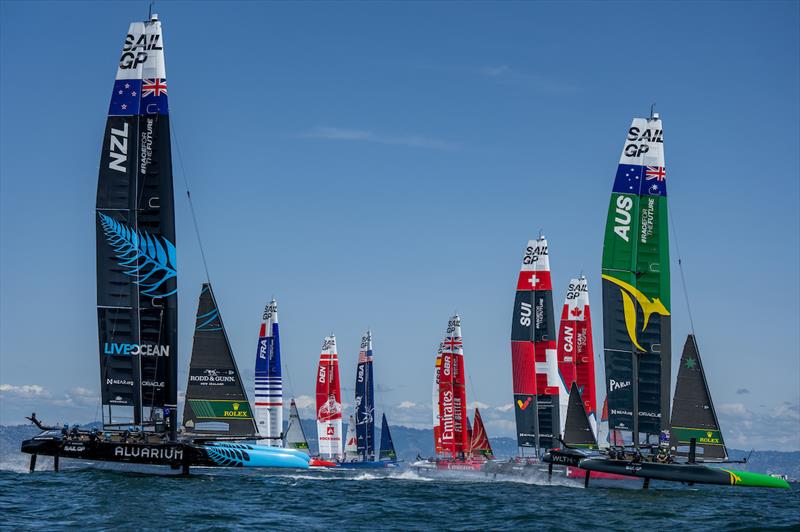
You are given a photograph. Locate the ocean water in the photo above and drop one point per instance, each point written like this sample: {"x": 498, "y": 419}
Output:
{"x": 216, "y": 499}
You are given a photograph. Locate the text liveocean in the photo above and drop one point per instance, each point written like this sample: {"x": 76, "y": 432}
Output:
{"x": 136, "y": 349}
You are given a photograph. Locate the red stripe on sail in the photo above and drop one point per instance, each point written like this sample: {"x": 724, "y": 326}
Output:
{"x": 524, "y": 368}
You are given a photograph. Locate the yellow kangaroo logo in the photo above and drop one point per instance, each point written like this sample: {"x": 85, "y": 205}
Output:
{"x": 648, "y": 307}
{"x": 735, "y": 479}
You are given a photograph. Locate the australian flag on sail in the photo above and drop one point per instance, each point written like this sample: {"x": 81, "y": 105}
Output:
{"x": 644, "y": 180}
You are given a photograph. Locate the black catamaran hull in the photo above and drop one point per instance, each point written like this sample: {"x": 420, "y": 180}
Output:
{"x": 687, "y": 473}
{"x": 176, "y": 455}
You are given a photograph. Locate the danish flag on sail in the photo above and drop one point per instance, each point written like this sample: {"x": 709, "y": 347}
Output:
{"x": 329, "y": 401}
{"x": 534, "y": 358}
{"x": 575, "y": 351}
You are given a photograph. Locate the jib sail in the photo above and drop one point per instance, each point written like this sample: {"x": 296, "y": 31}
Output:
{"x": 479, "y": 444}
{"x": 693, "y": 414}
{"x": 636, "y": 293}
{"x": 351, "y": 442}
{"x": 216, "y": 402}
{"x": 295, "y": 437}
{"x": 538, "y": 387}
{"x": 578, "y": 432}
{"x": 365, "y": 400}
{"x": 329, "y": 401}
{"x": 137, "y": 287}
{"x": 575, "y": 350}
{"x": 268, "y": 397}
{"x": 387, "y": 451}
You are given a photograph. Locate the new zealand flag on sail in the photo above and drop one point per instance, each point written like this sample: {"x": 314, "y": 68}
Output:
{"x": 139, "y": 96}
{"x": 644, "y": 180}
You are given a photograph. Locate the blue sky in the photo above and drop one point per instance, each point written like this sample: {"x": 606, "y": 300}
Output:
{"x": 383, "y": 165}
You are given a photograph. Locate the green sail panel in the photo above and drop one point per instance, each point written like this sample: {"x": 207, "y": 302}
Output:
{"x": 636, "y": 285}
{"x": 693, "y": 414}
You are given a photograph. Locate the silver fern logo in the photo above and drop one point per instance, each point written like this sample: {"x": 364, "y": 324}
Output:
{"x": 150, "y": 258}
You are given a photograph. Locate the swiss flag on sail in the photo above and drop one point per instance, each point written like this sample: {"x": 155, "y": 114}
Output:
{"x": 534, "y": 281}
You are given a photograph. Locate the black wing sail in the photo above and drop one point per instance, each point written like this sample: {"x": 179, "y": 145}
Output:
{"x": 137, "y": 302}
{"x": 216, "y": 402}
{"x": 693, "y": 414}
{"x": 578, "y": 431}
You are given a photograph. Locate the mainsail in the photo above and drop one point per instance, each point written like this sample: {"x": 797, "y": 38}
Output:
{"x": 351, "y": 442}
{"x": 137, "y": 303}
{"x": 329, "y": 401}
{"x": 578, "y": 432}
{"x": 575, "y": 350}
{"x": 538, "y": 387}
{"x": 295, "y": 437}
{"x": 268, "y": 398}
{"x": 387, "y": 451}
{"x": 216, "y": 402}
{"x": 636, "y": 294}
{"x": 479, "y": 442}
{"x": 365, "y": 400}
{"x": 693, "y": 414}
{"x": 452, "y": 393}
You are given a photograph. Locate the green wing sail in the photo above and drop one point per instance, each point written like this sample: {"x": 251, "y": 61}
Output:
{"x": 636, "y": 293}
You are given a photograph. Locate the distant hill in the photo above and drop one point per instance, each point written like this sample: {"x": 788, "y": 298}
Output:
{"x": 410, "y": 443}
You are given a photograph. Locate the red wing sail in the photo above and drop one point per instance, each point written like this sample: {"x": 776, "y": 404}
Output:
{"x": 329, "y": 401}
{"x": 539, "y": 390}
{"x": 452, "y": 393}
{"x": 575, "y": 351}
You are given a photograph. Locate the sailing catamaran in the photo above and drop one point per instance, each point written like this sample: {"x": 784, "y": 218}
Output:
{"x": 575, "y": 346}
{"x": 268, "y": 392}
{"x": 362, "y": 456}
{"x": 137, "y": 303}
{"x": 540, "y": 395}
{"x": 453, "y": 439}
{"x": 329, "y": 402}
{"x": 636, "y": 320}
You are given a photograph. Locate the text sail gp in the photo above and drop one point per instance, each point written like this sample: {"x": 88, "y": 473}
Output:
{"x": 137, "y": 301}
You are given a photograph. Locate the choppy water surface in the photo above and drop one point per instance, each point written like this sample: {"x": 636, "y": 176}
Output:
{"x": 215, "y": 499}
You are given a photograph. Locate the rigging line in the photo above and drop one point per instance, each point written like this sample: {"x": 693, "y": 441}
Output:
{"x": 680, "y": 268}
{"x": 472, "y": 389}
{"x": 174, "y": 132}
